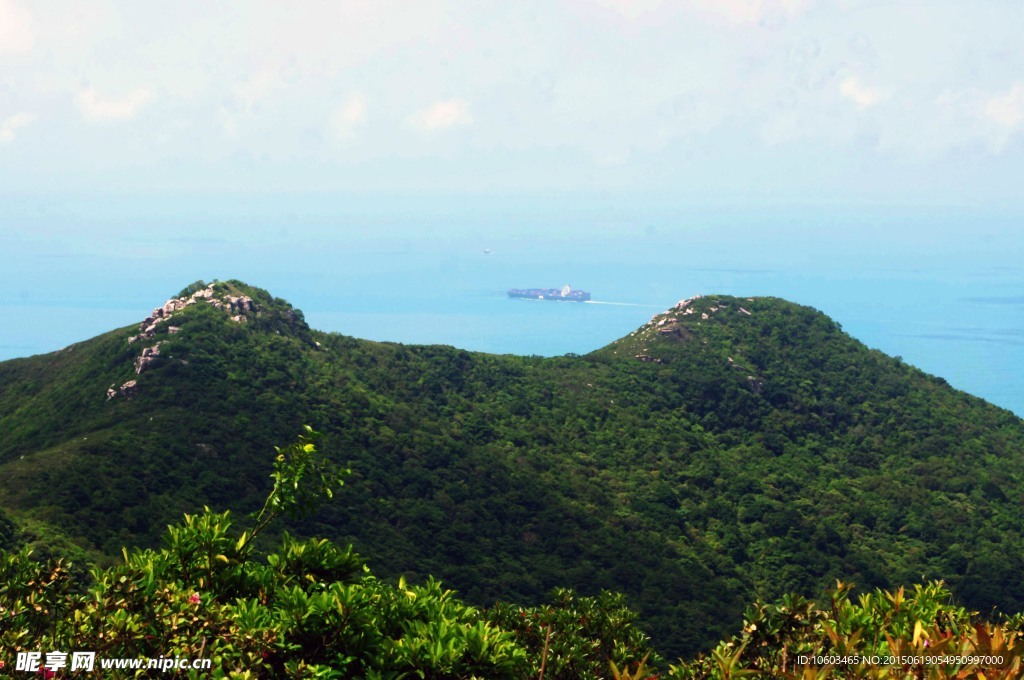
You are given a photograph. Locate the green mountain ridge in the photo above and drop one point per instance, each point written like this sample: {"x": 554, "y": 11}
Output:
{"x": 729, "y": 449}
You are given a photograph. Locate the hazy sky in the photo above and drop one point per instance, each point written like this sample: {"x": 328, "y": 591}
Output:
{"x": 848, "y": 102}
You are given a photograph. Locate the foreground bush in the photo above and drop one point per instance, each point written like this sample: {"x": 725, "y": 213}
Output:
{"x": 880, "y": 635}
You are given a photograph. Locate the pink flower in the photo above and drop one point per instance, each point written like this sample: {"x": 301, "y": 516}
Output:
{"x": 194, "y": 598}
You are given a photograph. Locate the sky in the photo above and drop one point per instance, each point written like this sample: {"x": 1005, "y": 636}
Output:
{"x": 713, "y": 102}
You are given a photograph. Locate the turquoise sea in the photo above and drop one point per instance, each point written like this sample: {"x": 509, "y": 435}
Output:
{"x": 942, "y": 289}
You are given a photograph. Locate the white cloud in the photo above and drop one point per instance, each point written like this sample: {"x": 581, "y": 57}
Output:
{"x": 860, "y": 94}
{"x": 609, "y": 83}
{"x": 443, "y": 114}
{"x": 955, "y": 119}
{"x": 94, "y": 107}
{"x": 259, "y": 86}
{"x": 16, "y": 33}
{"x": 1007, "y": 109}
{"x": 349, "y": 116}
{"x": 631, "y": 9}
{"x": 733, "y": 11}
{"x": 10, "y": 124}
{"x": 751, "y": 11}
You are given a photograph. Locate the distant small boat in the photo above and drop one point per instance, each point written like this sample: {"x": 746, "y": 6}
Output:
{"x": 487, "y": 251}
{"x": 563, "y": 294}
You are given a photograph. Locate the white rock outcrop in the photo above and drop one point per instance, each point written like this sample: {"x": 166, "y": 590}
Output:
{"x": 127, "y": 390}
{"x": 237, "y": 307}
{"x": 147, "y": 357}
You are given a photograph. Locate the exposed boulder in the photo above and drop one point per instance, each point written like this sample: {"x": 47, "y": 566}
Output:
{"x": 148, "y": 356}
{"x": 683, "y": 304}
{"x": 241, "y": 305}
{"x": 647, "y": 358}
{"x": 675, "y": 332}
{"x": 127, "y": 390}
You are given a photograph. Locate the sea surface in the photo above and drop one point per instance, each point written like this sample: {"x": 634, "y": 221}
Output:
{"x": 943, "y": 291}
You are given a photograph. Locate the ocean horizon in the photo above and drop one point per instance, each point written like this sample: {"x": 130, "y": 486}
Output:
{"x": 936, "y": 290}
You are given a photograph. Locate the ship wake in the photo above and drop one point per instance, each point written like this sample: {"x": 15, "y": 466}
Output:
{"x": 620, "y": 304}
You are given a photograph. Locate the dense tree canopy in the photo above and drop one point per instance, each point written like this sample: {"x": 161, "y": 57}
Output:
{"x": 695, "y": 465}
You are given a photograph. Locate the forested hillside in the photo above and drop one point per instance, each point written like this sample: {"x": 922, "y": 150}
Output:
{"x": 730, "y": 449}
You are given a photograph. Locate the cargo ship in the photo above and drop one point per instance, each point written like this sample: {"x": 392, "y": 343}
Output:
{"x": 565, "y": 293}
